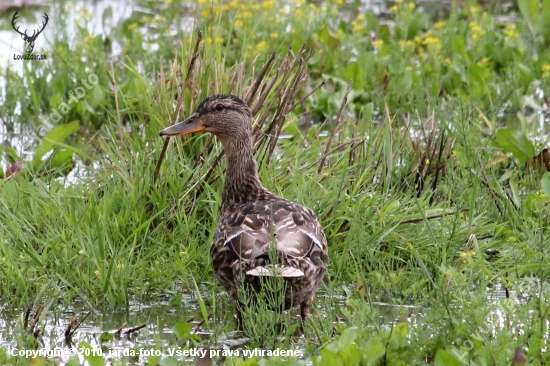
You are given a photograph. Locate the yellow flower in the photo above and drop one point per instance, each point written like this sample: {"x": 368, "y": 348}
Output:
{"x": 238, "y": 23}
{"x": 546, "y": 71}
{"x": 339, "y": 2}
{"x": 511, "y": 31}
{"x": 467, "y": 254}
{"x": 476, "y": 30}
{"x": 168, "y": 2}
{"x": 394, "y": 9}
{"x": 357, "y": 26}
{"x": 246, "y": 15}
{"x": 439, "y": 25}
{"x": 411, "y": 6}
{"x": 378, "y": 43}
{"x": 274, "y": 35}
{"x": 132, "y": 26}
{"x": 261, "y": 47}
{"x": 432, "y": 42}
{"x": 483, "y": 61}
{"x": 96, "y": 273}
{"x": 208, "y": 40}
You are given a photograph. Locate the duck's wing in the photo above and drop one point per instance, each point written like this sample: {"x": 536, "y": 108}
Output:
{"x": 252, "y": 228}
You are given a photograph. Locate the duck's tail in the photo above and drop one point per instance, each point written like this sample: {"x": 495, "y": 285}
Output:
{"x": 275, "y": 270}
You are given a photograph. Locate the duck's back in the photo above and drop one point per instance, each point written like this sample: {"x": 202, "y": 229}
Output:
{"x": 246, "y": 232}
{"x": 249, "y": 230}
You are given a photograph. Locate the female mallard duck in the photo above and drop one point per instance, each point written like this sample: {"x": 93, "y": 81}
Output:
{"x": 251, "y": 217}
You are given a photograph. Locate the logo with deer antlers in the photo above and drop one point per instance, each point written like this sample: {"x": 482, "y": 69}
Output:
{"x": 29, "y": 40}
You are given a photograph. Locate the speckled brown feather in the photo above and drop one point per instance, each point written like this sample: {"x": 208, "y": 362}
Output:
{"x": 252, "y": 218}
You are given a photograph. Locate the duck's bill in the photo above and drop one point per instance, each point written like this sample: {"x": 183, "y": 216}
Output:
{"x": 190, "y": 125}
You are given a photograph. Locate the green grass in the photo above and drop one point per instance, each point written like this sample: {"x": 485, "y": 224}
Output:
{"x": 419, "y": 202}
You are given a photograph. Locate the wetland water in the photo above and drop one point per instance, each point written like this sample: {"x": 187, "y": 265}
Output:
{"x": 158, "y": 338}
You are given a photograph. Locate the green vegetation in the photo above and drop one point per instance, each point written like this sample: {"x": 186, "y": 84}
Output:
{"x": 428, "y": 175}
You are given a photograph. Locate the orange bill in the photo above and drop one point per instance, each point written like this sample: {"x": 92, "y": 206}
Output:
{"x": 190, "y": 125}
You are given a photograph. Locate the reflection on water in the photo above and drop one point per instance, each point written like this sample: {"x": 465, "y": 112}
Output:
{"x": 159, "y": 318}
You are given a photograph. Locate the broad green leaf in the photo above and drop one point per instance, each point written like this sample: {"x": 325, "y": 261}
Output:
{"x": 374, "y": 351}
{"x": 444, "y": 358}
{"x": 90, "y": 355}
{"x": 516, "y": 143}
{"x": 399, "y": 333}
{"x": 61, "y": 159}
{"x": 328, "y": 39}
{"x": 52, "y": 139}
{"x": 106, "y": 337}
{"x": 153, "y": 360}
{"x": 97, "y": 95}
{"x": 329, "y": 358}
{"x": 182, "y": 330}
{"x": 477, "y": 78}
{"x": 347, "y": 337}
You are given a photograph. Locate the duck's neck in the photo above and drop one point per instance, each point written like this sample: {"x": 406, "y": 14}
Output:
{"x": 242, "y": 183}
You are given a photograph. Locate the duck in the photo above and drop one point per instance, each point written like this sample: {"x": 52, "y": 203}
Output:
{"x": 258, "y": 233}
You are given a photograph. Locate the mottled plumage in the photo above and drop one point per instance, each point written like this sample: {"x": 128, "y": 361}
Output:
{"x": 252, "y": 219}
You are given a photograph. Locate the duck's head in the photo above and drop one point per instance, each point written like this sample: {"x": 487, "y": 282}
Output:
{"x": 223, "y": 115}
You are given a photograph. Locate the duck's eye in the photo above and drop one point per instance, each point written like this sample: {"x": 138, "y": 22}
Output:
{"x": 220, "y": 107}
